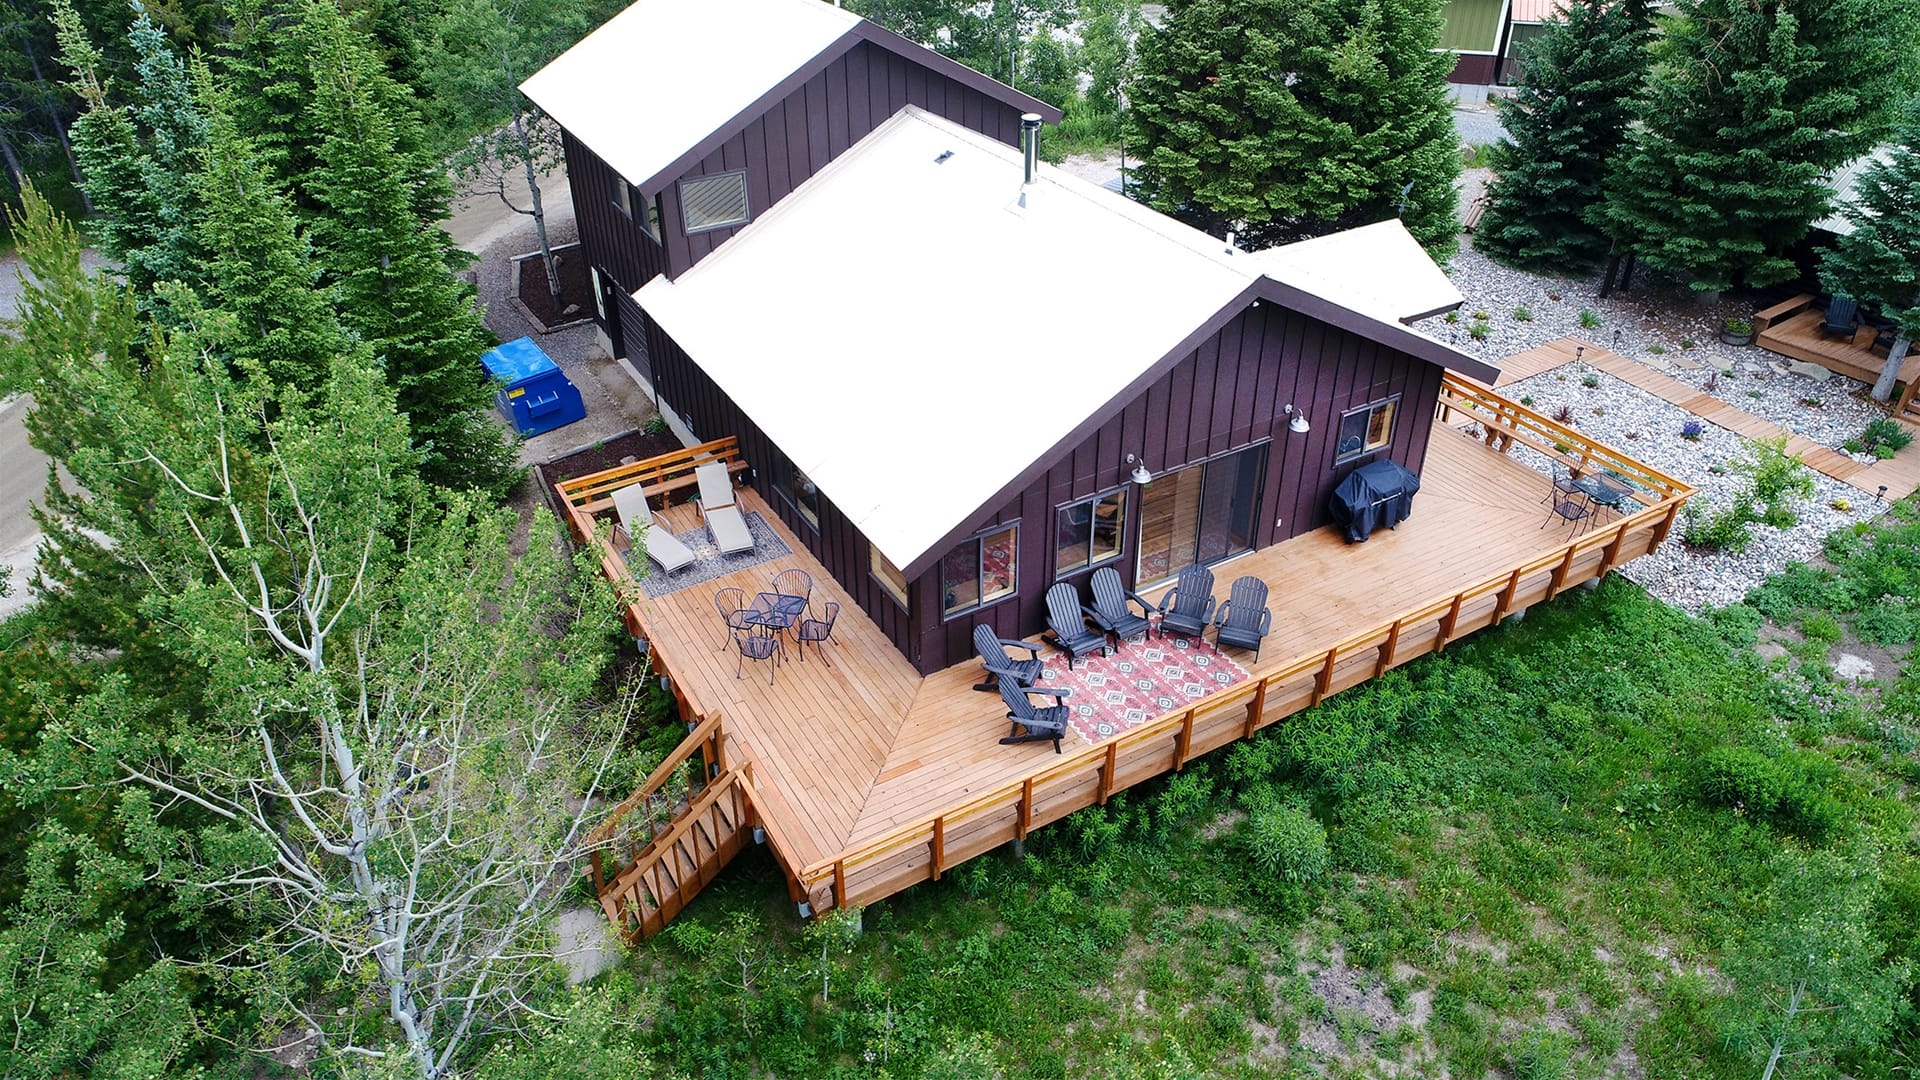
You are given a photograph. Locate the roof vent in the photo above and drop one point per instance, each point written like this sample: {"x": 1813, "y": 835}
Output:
{"x": 1029, "y": 144}
{"x": 942, "y": 159}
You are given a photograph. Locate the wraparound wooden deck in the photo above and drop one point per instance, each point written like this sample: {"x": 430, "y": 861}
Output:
{"x": 869, "y": 778}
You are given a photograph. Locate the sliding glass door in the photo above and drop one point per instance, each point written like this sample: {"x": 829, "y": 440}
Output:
{"x": 1203, "y": 513}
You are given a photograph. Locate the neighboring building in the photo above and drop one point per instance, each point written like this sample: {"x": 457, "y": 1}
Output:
{"x": 1475, "y": 32}
{"x": 921, "y": 367}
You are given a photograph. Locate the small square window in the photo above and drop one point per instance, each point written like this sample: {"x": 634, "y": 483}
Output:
{"x": 714, "y": 202}
{"x": 1088, "y": 532}
{"x": 888, "y": 575}
{"x": 1365, "y": 429}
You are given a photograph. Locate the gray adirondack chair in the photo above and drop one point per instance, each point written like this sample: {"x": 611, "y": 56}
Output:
{"x": 1843, "y": 314}
{"x": 1033, "y": 723}
{"x": 1244, "y": 619}
{"x": 1067, "y": 622}
{"x": 1110, "y": 611}
{"x": 1188, "y": 607}
{"x": 993, "y": 656}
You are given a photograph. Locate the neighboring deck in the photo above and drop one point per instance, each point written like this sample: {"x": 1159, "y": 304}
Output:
{"x": 1792, "y": 329}
{"x": 869, "y": 778}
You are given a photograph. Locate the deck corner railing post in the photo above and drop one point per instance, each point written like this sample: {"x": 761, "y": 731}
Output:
{"x": 1106, "y": 770}
{"x": 937, "y": 848}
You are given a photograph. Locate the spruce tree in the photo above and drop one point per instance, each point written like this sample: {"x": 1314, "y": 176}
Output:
{"x": 1565, "y": 123}
{"x": 1285, "y": 119}
{"x": 1747, "y": 107}
{"x": 393, "y": 269}
{"x": 1878, "y": 263}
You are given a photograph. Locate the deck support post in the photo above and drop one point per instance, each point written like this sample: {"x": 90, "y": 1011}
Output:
{"x": 1387, "y": 650}
{"x": 1507, "y": 594}
{"x": 1453, "y": 618}
{"x": 1182, "y": 741}
{"x": 1019, "y": 849}
{"x": 1559, "y": 582}
{"x": 1106, "y": 770}
{"x": 1024, "y": 820}
{"x": 1323, "y": 683}
{"x": 1256, "y": 708}
{"x": 938, "y": 848}
{"x": 1661, "y": 530}
{"x": 1613, "y": 551}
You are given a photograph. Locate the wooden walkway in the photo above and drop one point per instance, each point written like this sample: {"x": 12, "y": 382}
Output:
{"x": 1901, "y": 475}
{"x": 868, "y": 777}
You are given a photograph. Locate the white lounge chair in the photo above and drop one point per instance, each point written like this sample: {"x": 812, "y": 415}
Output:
{"x": 724, "y": 521}
{"x": 662, "y": 546}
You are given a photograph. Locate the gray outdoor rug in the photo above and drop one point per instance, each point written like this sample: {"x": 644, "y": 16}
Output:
{"x": 708, "y": 563}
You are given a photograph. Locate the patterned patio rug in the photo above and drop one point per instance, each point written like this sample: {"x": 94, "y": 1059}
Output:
{"x": 1145, "y": 678}
{"x": 708, "y": 563}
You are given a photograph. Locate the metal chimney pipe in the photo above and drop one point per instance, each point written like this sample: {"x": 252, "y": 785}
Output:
{"x": 1030, "y": 143}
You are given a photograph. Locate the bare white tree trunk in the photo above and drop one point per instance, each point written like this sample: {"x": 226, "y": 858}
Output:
{"x": 1890, "y": 374}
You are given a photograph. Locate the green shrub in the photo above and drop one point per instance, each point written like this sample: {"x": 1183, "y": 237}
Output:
{"x": 1883, "y": 437}
{"x": 1722, "y": 530}
{"x": 1481, "y": 316}
{"x": 1773, "y": 472}
{"x": 1285, "y": 844}
{"x": 1591, "y": 382}
{"x": 1589, "y": 320}
{"x": 1541, "y": 1055}
{"x": 1478, "y": 331}
{"x": 1787, "y": 790}
{"x": 1522, "y": 314}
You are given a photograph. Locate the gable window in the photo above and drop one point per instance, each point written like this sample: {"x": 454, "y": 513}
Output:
{"x": 980, "y": 571}
{"x": 1365, "y": 429}
{"x": 1088, "y": 532}
{"x": 714, "y": 202}
{"x": 888, "y": 575}
{"x": 622, "y": 196}
{"x": 650, "y": 216}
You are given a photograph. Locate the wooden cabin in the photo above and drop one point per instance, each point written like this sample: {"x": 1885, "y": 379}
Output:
{"x": 952, "y": 376}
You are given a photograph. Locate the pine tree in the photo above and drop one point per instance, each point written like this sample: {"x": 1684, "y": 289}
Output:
{"x": 393, "y": 268}
{"x": 1291, "y": 119}
{"x": 1565, "y": 123}
{"x": 1747, "y": 107}
{"x": 1878, "y": 263}
{"x": 259, "y": 266}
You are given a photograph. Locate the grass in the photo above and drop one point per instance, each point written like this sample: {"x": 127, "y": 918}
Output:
{"x": 1526, "y": 876}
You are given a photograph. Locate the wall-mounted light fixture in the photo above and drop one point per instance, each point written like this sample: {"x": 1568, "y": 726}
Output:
{"x": 1140, "y": 473}
{"x": 1299, "y": 421}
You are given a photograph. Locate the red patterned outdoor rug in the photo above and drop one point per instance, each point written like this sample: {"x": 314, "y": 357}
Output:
{"x": 1146, "y": 678}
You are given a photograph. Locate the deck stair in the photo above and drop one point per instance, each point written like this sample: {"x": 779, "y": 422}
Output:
{"x": 667, "y": 841}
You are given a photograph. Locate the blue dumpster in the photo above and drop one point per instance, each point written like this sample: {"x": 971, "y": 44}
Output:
{"x": 535, "y": 394}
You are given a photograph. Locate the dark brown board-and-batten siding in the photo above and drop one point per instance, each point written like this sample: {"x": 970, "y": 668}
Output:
{"x": 1228, "y": 393}
{"x": 779, "y": 150}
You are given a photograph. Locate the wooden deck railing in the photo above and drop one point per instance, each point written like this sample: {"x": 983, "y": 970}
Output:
{"x": 921, "y": 850}
{"x": 631, "y": 828}
{"x": 660, "y": 475}
{"x": 1506, "y": 422}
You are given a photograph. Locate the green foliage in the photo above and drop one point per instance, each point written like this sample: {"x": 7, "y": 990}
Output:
{"x": 1747, "y": 107}
{"x": 1773, "y": 479}
{"x": 1288, "y": 120}
{"x": 1479, "y": 331}
{"x": 1810, "y": 978}
{"x": 1588, "y": 319}
{"x": 1724, "y": 529}
{"x": 1523, "y": 314}
{"x": 1787, "y": 789}
{"x": 1285, "y": 844}
{"x": 1884, "y": 437}
{"x": 1565, "y": 123}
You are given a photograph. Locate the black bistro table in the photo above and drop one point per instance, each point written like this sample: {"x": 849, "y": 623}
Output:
{"x": 1605, "y": 490}
{"x": 776, "y": 613}
{"x": 1377, "y": 495}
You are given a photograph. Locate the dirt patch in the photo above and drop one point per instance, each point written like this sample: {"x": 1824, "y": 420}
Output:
{"x": 576, "y": 288}
{"x": 619, "y": 450}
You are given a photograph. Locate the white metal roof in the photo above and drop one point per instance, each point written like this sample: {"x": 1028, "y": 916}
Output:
{"x": 1841, "y": 183}
{"x": 662, "y": 75}
{"x": 914, "y": 340}
{"x": 1378, "y": 269}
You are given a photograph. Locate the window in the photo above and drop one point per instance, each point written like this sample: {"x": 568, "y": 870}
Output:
{"x": 1365, "y": 429}
{"x": 796, "y": 487}
{"x": 622, "y": 196}
{"x": 980, "y": 571}
{"x": 714, "y": 202}
{"x": 650, "y": 216}
{"x": 888, "y": 575}
{"x": 1089, "y": 532}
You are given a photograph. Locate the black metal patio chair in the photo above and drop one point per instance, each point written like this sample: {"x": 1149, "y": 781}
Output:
{"x": 1244, "y": 620}
{"x": 732, "y": 605}
{"x": 1110, "y": 611}
{"x": 760, "y": 647}
{"x": 795, "y": 582}
{"x": 1576, "y": 509}
{"x": 1188, "y": 608}
{"x": 993, "y": 657}
{"x": 1563, "y": 485}
{"x": 1046, "y": 723}
{"x": 819, "y": 631}
{"x": 1067, "y": 622}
